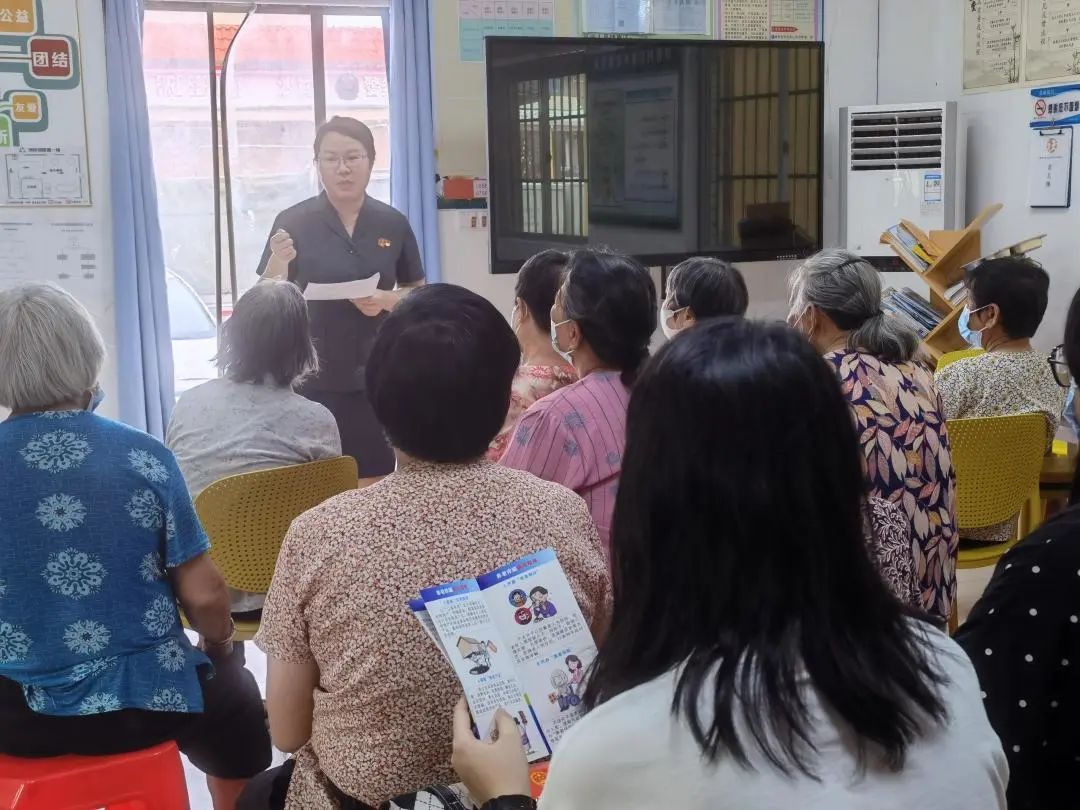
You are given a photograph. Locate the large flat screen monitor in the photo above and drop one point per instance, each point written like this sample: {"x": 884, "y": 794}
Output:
{"x": 658, "y": 149}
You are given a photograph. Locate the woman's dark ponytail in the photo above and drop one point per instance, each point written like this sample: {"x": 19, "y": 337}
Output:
{"x": 612, "y": 298}
{"x": 632, "y": 368}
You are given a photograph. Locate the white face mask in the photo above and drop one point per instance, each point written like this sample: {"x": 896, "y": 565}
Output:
{"x": 667, "y": 320}
{"x": 514, "y": 321}
{"x": 567, "y": 355}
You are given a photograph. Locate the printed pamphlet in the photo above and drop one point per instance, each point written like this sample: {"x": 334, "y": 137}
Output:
{"x": 517, "y": 640}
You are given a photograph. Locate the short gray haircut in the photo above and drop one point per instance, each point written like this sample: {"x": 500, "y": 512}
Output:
{"x": 268, "y": 337}
{"x": 847, "y": 288}
{"x": 50, "y": 350}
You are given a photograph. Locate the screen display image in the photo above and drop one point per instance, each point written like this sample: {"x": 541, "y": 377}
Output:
{"x": 658, "y": 149}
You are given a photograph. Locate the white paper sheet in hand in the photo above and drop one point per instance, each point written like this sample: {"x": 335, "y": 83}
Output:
{"x": 343, "y": 291}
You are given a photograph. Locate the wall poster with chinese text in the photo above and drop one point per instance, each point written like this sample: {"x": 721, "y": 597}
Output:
{"x": 1052, "y": 40}
{"x": 43, "y": 153}
{"x": 771, "y": 20}
{"x": 993, "y": 44}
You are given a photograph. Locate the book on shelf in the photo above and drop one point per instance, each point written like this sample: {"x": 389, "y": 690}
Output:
{"x": 890, "y": 307}
{"x": 911, "y": 309}
{"x": 922, "y": 309}
{"x": 957, "y": 294}
{"x": 920, "y": 251}
{"x": 1021, "y": 248}
{"x": 905, "y": 320}
{"x": 907, "y": 247}
{"x": 517, "y": 640}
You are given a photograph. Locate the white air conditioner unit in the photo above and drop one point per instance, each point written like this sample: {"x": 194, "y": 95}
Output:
{"x": 900, "y": 161}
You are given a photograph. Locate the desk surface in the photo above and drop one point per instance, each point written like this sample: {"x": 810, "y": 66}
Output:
{"x": 1057, "y": 471}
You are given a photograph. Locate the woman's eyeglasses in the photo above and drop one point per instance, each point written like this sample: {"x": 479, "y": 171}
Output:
{"x": 351, "y": 161}
{"x": 1060, "y": 368}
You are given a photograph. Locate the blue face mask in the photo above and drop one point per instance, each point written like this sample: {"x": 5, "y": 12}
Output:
{"x": 97, "y": 396}
{"x": 972, "y": 337}
{"x": 1069, "y": 414}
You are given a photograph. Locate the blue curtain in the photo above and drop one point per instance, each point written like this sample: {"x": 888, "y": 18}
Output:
{"x": 144, "y": 351}
{"x": 412, "y": 128}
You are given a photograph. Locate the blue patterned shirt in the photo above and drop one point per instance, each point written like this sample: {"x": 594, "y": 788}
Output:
{"x": 93, "y": 513}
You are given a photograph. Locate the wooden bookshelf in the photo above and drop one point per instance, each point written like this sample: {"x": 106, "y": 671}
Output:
{"x": 949, "y": 251}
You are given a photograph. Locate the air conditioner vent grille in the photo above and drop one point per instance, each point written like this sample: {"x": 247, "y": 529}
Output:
{"x": 904, "y": 139}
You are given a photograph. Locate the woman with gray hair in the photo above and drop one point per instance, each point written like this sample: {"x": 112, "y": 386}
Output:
{"x": 836, "y": 303}
{"x": 98, "y": 543}
{"x": 266, "y": 349}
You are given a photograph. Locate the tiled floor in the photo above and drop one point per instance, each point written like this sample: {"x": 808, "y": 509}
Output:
{"x": 971, "y": 585}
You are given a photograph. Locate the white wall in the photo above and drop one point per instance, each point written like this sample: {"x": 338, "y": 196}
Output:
{"x": 918, "y": 62}
{"x": 851, "y": 25}
{"x": 100, "y": 300}
{"x": 923, "y": 62}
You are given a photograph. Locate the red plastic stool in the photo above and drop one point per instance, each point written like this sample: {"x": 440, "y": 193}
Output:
{"x": 152, "y": 779}
{"x": 538, "y": 778}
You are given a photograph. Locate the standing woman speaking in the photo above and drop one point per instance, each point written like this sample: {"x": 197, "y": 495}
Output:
{"x": 345, "y": 235}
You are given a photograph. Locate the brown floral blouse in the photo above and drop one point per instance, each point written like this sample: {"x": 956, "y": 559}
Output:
{"x": 908, "y": 461}
{"x": 339, "y": 597}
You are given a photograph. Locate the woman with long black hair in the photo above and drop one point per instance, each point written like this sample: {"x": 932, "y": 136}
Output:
{"x": 755, "y": 658}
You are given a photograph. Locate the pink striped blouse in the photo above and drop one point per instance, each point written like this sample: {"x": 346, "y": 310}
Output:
{"x": 576, "y": 437}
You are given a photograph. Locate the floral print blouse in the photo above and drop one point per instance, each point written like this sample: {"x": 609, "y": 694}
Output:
{"x": 340, "y": 595}
{"x": 889, "y": 534}
{"x": 1001, "y": 384}
{"x": 93, "y": 514}
{"x": 907, "y": 460}
{"x": 531, "y": 384}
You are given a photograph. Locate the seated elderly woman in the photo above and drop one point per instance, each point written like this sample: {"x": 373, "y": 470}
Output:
{"x": 542, "y": 370}
{"x": 266, "y": 349}
{"x": 354, "y": 685}
{"x": 701, "y": 288}
{"x": 98, "y": 543}
{"x": 1006, "y": 302}
{"x": 836, "y": 303}
{"x": 602, "y": 321}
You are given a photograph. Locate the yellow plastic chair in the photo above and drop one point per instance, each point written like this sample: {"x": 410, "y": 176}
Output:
{"x": 949, "y": 358}
{"x": 246, "y": 517}
{"x": 997, "y": 461}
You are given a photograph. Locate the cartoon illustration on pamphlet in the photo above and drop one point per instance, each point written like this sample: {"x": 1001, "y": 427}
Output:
{"x": 577, "y": 672}
{"x": 542, "y": 608}
{"x": 477, "y": 653}
{"x": 517, "y": 640}
{"x": 522, "y": 724}
{"x": 518, "y": 599}
{"x": 564, "y": 691}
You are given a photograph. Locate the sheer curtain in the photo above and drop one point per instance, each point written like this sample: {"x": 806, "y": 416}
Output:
{"x": 144, "y": 352}
{"x": 412, "y": 129}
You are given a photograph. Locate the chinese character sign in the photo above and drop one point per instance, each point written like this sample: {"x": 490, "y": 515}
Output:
{"x": 1052, "y": 50}
{"x": 43, "y": 147}
{"x": 993, "y": 43}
